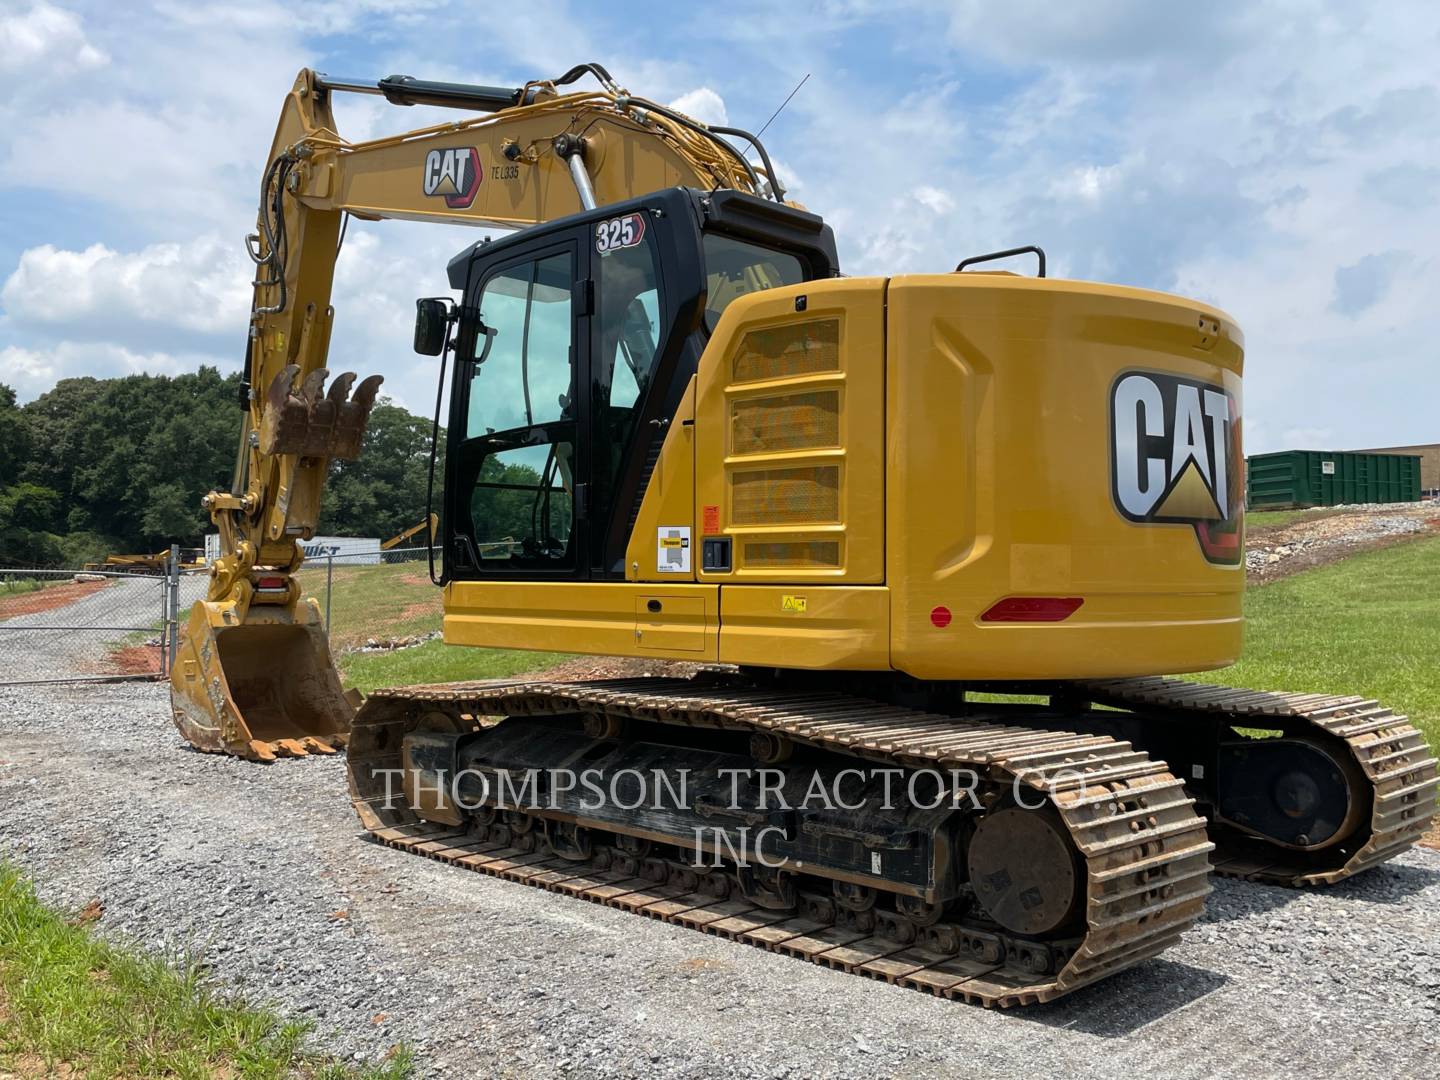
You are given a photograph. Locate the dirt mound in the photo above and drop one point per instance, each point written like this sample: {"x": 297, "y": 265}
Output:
{"x": 1277, "y": 551}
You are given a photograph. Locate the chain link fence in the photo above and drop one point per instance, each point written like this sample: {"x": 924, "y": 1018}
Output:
{"x": 79, "y": 625}
{"x": 374, "y": 599}
{"x": 84, "y": 625}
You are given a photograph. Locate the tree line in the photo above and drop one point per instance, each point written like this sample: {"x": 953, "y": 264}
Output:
{"x": 119, "y": 465}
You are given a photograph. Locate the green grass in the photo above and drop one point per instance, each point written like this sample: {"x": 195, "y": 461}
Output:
{"x": 68, "y": 997}
{"x": 1369, "y": 624}
{"x": 1264, "y": 519}
{"x": 435, "y": 662}
{"x": 9, "y": 586}
{"x": 389, "y": 600}
{"x": 15, "y": 586}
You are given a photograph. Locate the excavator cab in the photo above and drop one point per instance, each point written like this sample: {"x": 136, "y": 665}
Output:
{"x": 573, "y": 344}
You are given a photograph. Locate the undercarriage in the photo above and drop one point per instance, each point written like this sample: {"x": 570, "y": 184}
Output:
{"x": 1011, "y": 865}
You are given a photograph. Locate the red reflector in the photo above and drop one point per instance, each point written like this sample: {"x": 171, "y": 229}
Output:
{"x": 1033, "y": 609}
{"x": 940, "y": 616}
{"x": 272, "y": 583}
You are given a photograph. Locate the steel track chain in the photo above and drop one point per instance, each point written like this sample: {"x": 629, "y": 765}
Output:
{"x": 1144, "y": 848}
{"x": 1389, "y": 750}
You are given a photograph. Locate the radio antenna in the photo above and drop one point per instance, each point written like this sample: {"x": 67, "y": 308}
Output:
{"x": 776, "y": 113}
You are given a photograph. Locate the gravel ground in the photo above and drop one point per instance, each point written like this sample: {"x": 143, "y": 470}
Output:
{"x": 265, "y": 870}
{"x": 1277, "y": 551}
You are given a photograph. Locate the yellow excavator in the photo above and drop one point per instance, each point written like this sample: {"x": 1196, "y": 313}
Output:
{"x": 930, "y": 544}
{"x": 430, "y": 521}
{"x": 191, "y": 559}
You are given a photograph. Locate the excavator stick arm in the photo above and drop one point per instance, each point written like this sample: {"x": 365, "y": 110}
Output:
{"x": 517, "y": 157}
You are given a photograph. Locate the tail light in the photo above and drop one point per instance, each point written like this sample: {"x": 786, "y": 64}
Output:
{"x": 1033, "y": 609}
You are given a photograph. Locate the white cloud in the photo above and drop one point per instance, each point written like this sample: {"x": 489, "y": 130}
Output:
{"x": 32, "y": 371}
{"x": 1255, "y": 159}
{"x": 703, "y": 104}
{"x": 48, "y": 35}
{"x": 1086, "y": 182}
{"x": 933, "y": 199}
{"x": 27, "y": 367}
{"x": 200, "y": 286}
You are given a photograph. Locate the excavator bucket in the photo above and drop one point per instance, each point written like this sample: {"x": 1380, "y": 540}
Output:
{"x": 310, "y": 424}
{"x": 262, "y": 688}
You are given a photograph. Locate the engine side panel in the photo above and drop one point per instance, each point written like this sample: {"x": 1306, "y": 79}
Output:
{"x": 789, "y": 435}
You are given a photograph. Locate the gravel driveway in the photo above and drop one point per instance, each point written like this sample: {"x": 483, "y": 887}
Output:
{"x": 88, "y": 628}
{"x": 266, "y": 871}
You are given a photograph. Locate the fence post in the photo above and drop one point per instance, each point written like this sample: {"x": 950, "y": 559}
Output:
{"x": 329, "y": 581}
{"x": 174, "y": 590}
{"x": 165, "y": 618}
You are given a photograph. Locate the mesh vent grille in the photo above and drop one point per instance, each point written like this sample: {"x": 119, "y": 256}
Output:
{"x": 817, "y": 553}
{"x": 786, "y": 496}
{"x": 792, "y": 349}
{"x": 786, "y": 422}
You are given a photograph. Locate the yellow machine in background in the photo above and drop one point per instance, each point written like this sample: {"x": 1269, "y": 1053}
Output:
{"x": 893, "y": 512}
{"x": 431, "y": 522}
{"x": 149, "y": 564}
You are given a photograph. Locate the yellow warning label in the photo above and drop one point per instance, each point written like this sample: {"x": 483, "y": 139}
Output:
{"x": 794, "y": 604}
{"x": 672, "y": 541}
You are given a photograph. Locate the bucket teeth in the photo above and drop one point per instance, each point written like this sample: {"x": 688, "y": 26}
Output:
{"x": 354, "y": 415}
{"x": 309, "y": 422}
{"x": 264, "y": 689}
{"x": 261, "y": 750}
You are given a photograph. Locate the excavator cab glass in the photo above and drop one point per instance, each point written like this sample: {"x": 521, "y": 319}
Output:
{"x": 734, "y": 268}
{"x": 520, "y": 424}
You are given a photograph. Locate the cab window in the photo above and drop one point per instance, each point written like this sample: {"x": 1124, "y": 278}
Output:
{"x": 734, "y": 268}
{"x": 628, "y": 305}
{"x": 520, "y": 420}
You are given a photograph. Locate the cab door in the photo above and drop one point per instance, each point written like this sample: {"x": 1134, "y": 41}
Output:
{"x": 516, "y": 506}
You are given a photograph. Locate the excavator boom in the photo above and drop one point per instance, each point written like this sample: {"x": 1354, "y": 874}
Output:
{"x": 254, "y": 675}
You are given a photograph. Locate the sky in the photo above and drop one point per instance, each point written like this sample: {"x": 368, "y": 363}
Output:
{"x": 1278, "y": 159}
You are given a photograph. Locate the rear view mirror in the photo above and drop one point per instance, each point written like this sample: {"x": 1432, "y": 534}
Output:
{"x": 432, "y": 321}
